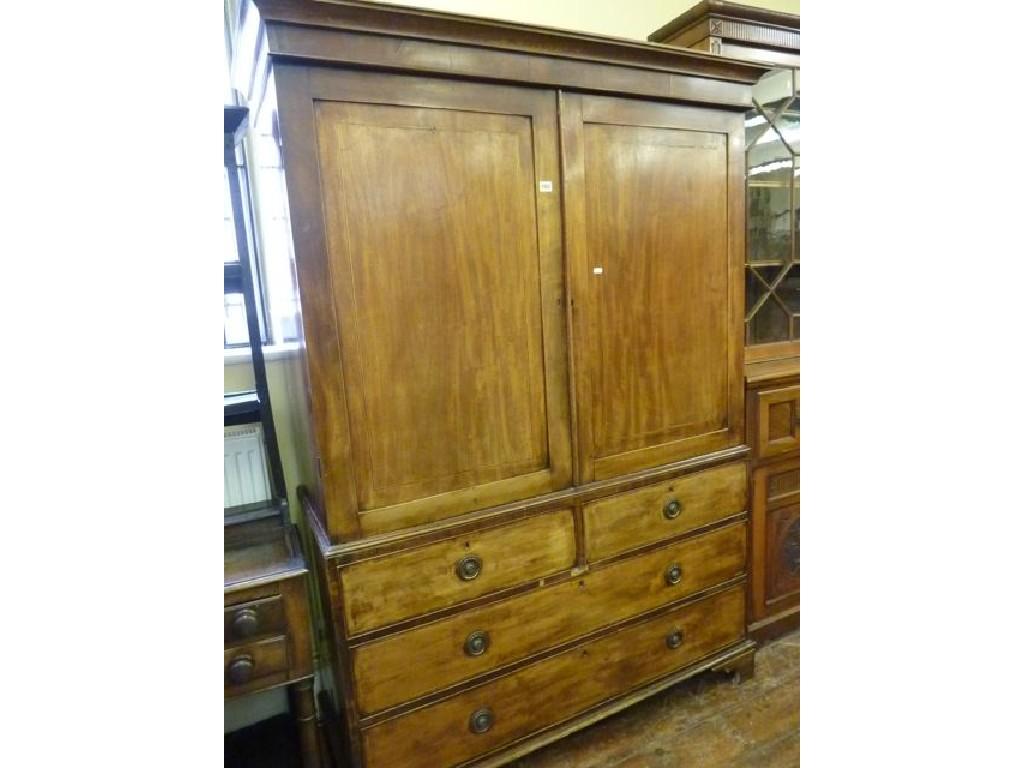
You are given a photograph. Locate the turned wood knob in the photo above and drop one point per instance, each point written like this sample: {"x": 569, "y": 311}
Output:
{"x": 469, "y": 567}
{"x": 672, "y": 509}
{"x": 240, "y": 669}
{"x": 245, "y": 623}
{"x": 481, "y": 720}
{"x": 674, "y": 639}
{"x": 673, "y": 574}
{"x": 477, "y": 643}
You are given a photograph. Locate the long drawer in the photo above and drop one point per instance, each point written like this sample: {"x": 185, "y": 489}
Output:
{"x": 481, "y": 639}
{"x": 484, "y": 718}
{"x": 629, "y": 520}
{"x": 387, "y": 589}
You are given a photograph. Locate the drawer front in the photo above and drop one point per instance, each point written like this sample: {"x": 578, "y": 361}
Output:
{"x": 647, "y": 515}
{"x": 251, "y": 666}
{"x": 778, "y": 421}
{"x": 548, "y": 692}
{"x": 481, "y": 639}
{"x": 252, "y": 619}
{"x": 387, "y": 589}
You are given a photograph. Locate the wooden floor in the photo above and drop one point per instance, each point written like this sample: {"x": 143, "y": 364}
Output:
{"x": 709, "y": 722}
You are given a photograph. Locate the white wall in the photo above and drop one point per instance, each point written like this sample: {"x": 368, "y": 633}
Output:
{"x": 620, "y": 18}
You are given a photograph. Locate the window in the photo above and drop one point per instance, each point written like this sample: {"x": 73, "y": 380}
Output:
{"x": 236, "y": 332}
{"x": 273, "y": 225}
{"x": 264, "y": 210}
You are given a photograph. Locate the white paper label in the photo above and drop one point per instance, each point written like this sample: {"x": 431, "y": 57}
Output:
{"x": 598, "y": 270}
{"x": 547, "y": 186}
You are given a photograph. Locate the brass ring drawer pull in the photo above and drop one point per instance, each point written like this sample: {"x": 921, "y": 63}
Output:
{"x": 481, "y": 720}
{"x": 245, "y": 623}
{"x": 477, "y": 643}
{"x": 673, "y": 574}
{"x": 469, "y": 567}
{"x": 240, "y": 669}
{"x": 672, "y": 509}
{"x": 674, "y": 639}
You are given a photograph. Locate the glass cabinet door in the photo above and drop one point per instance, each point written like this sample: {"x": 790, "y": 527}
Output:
{"x": 773, "y": 209}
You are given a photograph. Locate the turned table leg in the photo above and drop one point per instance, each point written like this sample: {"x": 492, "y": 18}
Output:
{"x": 305, "y": 716}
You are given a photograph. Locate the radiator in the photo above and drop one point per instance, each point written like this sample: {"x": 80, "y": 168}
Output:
{"x": 245, "y": 466}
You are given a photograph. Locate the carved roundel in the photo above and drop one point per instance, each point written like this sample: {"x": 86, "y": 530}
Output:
{"x": 716, "y": 27}
{"x": 791, "y": 548}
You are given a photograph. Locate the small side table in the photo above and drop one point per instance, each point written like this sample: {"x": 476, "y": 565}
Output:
{"x": 267, "y": 631}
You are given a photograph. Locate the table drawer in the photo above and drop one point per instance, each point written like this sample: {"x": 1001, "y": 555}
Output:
{"x": 656, "y": 512}
{"x": 776, "y": 421}
{"x": 387, "y": 589}
{"x": 491, "y": 715}
{"x": 478, "y": 640}
{"x": 253, "y": 665}
{"x": 252, "y": 619}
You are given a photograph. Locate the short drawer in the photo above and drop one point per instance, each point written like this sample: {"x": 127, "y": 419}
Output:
{"x": 387, "y": 589}
{"x": 250, "y": 666}
{"x": 776, "y": 415}
{"x": 489, "y": 716}
{"x": 647, "y": 515}
{"x": 478, "y": 640}
{"x": 255, "y": 618}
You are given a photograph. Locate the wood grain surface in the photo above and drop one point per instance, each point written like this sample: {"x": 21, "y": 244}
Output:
{"x": 384, "y": 590}
{"x": 519, "y": 626}
{"x": 557, "y": 688}
{"x": 629, "y": 520}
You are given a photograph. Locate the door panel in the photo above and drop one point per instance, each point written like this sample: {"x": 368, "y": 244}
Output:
{"x": 778, "y": 421}
{"x": 774, "y": 539}
{"x": 783, "y": 578}
{"x": 654, "y": 227}
{"x": 443, "y": 269}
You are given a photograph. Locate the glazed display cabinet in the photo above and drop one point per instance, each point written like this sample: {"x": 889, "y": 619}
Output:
{"x": 773, "y": 210}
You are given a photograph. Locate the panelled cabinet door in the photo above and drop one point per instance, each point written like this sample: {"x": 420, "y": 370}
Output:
{"x": 778, "y": 421}
{"x": 426, "y": 216}
{"x": 775, "y": 538}
{"x": 783, "y": 577}
{"x": 655, "y": 236}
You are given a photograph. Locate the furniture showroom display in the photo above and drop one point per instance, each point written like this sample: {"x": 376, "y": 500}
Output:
{"x": 521, "y": 259}
{"x": 772, "y": 292}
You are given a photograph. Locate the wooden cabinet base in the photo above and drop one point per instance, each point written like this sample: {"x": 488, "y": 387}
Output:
{"x": 775, "y": 626}
{"x": 773, "y": 408}
{"x": 736, "y": 661}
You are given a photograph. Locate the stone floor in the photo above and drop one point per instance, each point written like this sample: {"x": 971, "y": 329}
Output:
{"x": 709, "y": 722}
